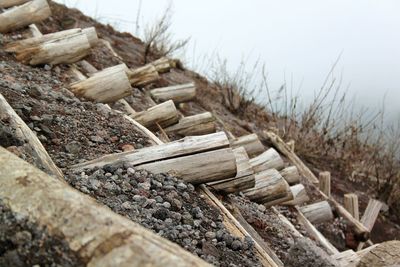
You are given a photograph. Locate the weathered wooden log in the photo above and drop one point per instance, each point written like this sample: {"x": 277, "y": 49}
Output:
{"x": 111, "y": 241}
{"x": 325, "y": 183}
{"x": 177, "y": 93}
{"x": 105, "y": 86}
{"x": 369, "y": 217}
{"x": 270, "y": 188}
{"x": 270, "y": 159}
{"x": 251, "y": 143}
{"x": 41, "y": 159}
{"x": 350, "y": 258}
{"x": 318, "y": 212}
{"x": 11, "y": 3}
{"x": 199, "y": 124}
{"x": 362, "y": 233}
{"x": 183, "y": 147}
{"x": 164, "y": 115}
{"x": 144, "y": 75}
{"x": 300, "y": 195}
{"x": 291, "y": 175}
{"x": 24, "y": 15}
{"x": 244, "y": 179}
{"x": 315, "y": 234}
{"x": 164, "y": 64}
{"x": 350, "y": 203}
{"x": 236, "y": 229}
{"x": 198, "y": 168}
{"x": 69, "y": 49}
{"x": 386, "y": 254}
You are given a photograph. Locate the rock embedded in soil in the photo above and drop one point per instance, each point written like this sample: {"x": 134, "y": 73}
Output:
{"x": 169, "y": 207}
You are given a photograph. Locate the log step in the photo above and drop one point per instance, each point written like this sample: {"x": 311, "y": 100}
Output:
{"x": 270, "y": 159}
{"x": 177, "y": 93}
{"x": 251, "y": 143}
{"x": 199, "y": 124}
{"x": 163, "y": 115}
{"x": 23, "y": 15}
{"x": 318, "y": 212}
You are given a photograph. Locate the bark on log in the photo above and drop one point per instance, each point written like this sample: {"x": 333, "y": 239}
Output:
{"x": 270, "y": 188}
{"x": 251, "y": 143}
{"x": 198, "y": 168}
{"x": 235, "y": 228}
{"x": 244, "y": 179}
{"x": 111, "y": 241}
{"x": 199, "y": 124}
{"x": 144, "y": 75}
{"x": 270, "y": 159}
{"x": 350, "y": 203}
{"x": 315, "y": 234}
{"x": 106, "y": 86}
{"x": 291, "y": 175}
{"x": 362, "y": 233}
{"x": 325, "y": 183}
{"x": 300, "y": 195}
{"x": 66, "y": 50}
{"x": 164, "y": 114}
{"x": 177, "y": 93}
{"x": 25, "y": 134}
{"x": 24, "y": 15}
{"x": 183, "y": 147}
{"x": 11, "y": 3}
{"x": 318, "y": 212}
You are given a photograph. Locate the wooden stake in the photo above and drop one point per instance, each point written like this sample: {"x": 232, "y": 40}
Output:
{"x": 251, "y": 143}
{"x": 371, "y": 213}
{"x": 177, "y": 93}
{"x": 270, "y": 159}
{"x": 291, "y": 175}
{"x": 325, "y": 183}
{"x": 95, "y": 233}
{"x": 24, "y": 15}
{"x": 164, "y": 114}
{"x": 199, "y": 124}
{"x": 350, "y": 203}
{"x": 106, "y": 86}
{"x": 318, "y": 212}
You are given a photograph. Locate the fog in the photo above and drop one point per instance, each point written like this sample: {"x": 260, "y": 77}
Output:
{"x": 297, "y": 40}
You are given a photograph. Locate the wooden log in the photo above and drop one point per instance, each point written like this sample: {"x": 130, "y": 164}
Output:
{"x": 164, "y": 114}
{"x": 24, "y": 15}
{"x": 300, "y": 195}
{"x": 325, "y": 183}
{"x": 270, "y": 159}
{"x": 386, "y": 254}
{"x": 291, "y": 175}
{"x": 198, "y": 168}
{"x": 371, "y": 213}
{"x": 164, "y": 64}
{"x": 66, "y": 50}
{"x": 251, "y": 143}
{"x": 350, "y": 203}
{"x": 236, "y": 229}
{"x": 11, "y": 3}
{"x": 112, "y": 240}
{"x": 177, "y": 93}
{"x": 315, "y": 234}
{"x": 244, "y": 178}
{"x": 270, "y": 188}
{"x": 199, "y": 124}
{"x": 318, "y": 212}
{"x": 183, "y": 147}
{"x": 39, "y": 154}
{"x": 144, "y": 75}
{"x": 359, "y": 229}
{"x": 105, "y": 86}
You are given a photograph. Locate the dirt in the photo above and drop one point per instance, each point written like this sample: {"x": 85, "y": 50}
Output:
{"x": 25, "y": 243}
{"x": 169, "y": 207}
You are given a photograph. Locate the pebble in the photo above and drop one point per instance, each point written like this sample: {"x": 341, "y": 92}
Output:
{"x": 166, "y": 205}
{"x": 181, "y": 186}
{"x": 73, "y": 147}
{"x": 210, "y": 235}
{"x": 236, "y": 245}
{"x": 126, "y": 205}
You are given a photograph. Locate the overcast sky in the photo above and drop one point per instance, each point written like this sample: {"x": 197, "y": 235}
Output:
{"x": 298, "y": 39}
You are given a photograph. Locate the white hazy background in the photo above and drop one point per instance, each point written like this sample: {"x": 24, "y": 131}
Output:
{"x": 297, "y": 40}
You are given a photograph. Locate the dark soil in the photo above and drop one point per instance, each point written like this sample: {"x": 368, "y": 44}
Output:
{"x": 24, "y": 243}
{"x": 169, "y": 207}
{"x": 71, "y": 131}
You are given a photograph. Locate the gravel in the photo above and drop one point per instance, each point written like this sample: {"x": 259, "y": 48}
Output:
{"x": 169, "y": 207}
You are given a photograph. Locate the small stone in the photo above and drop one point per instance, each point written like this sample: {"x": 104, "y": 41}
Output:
{"x": 166, "y": 205}
{"x": 177, "y": 204}
{"x": 36, "y": 118}
{"x": 210, "y": 235}
{"x": 181, "y": 186}
{"x": 236, "y": 245}
{"x": 261, "y": 208}
{"x": 73, "y": 147}
{"x": 22, "y": 237}
{"x": 159, "y": 199}
{"x": 228, "y": 239}
{"x": 145, "y": 186}
{"x": 190, "y": 187}
{"x": 127, "y": 147}
{"x": 97, "y": 139}
{"x": 126, "y": 205}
